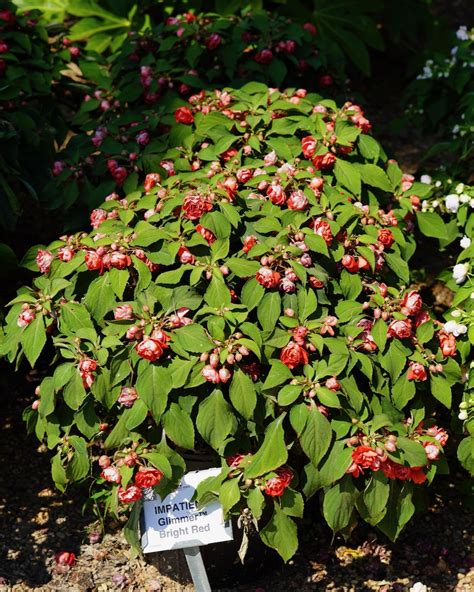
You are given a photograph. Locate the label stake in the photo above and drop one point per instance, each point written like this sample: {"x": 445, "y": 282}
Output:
{"x": 197, "y": 569}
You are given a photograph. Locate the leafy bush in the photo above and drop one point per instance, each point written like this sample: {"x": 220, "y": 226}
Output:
{"x": 442, "y": 97}
{"x": 253, "y": 305}
{"x": 26, "y": 138}
{"x": 455, "y": 203}
{"x": 118, "y": 120}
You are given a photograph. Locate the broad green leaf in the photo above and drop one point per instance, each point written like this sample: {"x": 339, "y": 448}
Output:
{"x": 243, "y": 394}
{"x": 179, "y": 427}
{"x": 280, "y": 533}
{"x": 215, "y": 420}
{"x": 153, "y": 386}
{"x": 316, "y": 435}
{"x": 272, "y": 453}
{"x": 33, "y": 339}
{"x": 338, "y": 503}
{"x": 441, "y": 390}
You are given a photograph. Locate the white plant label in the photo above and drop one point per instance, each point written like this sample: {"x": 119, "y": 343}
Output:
{"x": 176, "y": 522}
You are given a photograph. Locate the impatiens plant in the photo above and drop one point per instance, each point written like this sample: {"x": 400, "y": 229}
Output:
{"x": 249, "y": 300}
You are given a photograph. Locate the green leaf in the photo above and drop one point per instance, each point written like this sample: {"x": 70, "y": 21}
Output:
{"x": 338, "y": 503}
{"x": 272, "y": 453}
{"x": 403, "y": 391}
{"x": 74, "y": 392}
{"x": 217, "y": 294}
{"x": 292, "y": 503}
{"x": 137, "y": 415}
{"x": 465, "y": 454}
{"x": 100, "y": 297}
{"x": 33, "y": 339}
{"x": 179, "y": 427}
{"x": 58, "y": 472}
{"x": 47, "y": 400}
{"x": 372, "y": 504}
{"x": 431, "y": 224}
{"x": 374, "y": 176}
{"x": 316, "y": 435}
{"x": 413, "y": 452}
{"x": 394, "y": 360}
{"x": 280, "y": 533}
{"x": 73, "y": 317}
{"x": 379, "y": 333}
{"x": 242, "y": 267}
{"x": 369, "y": 148}
{"x": 348, "y": 176}
{"x": 256, "y": 502}
{"x": 153, "y": 386}
{"x": 243, "y": 394}
{"x": 131, "y": 530}
{"x": 279, "y": 373}
{"x": 288, "y": 394}
{"x": 351, "y": 285}
{"x": 269, "y": 310}
{"x": 229, "y": 494}
{"x": 193, "y": 338}
{"x": 215, "y": 420}
{"x": 400, "y": 509}
{"x": 398, "y": 265}
{"x": 441, "y": 390}
{"x": 119, "y": 278}
{"x": 79, "y": 465}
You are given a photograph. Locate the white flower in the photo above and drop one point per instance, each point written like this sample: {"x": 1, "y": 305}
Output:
{"x": 426, "y": 179}
{"x": 464, "y": 198}
{"x": 465, "y": 242}
{"x": 463, "y": 415}
{"x": 471, "y": 203}
{"x": 455, "y": 129}
{"x": 462, "y": 33}
{"x": 418, "y": 587}
{"x": 459, "y": 187}
{"x": 460, "y": 272}
{"x": 456, "y": 329}
{"x": 438, "y": 184}
{"x": 472, "y": 295}
{"x": 452, "y": 203}
{"x": 456, "y": 314}
{"x": 435, "y": 204}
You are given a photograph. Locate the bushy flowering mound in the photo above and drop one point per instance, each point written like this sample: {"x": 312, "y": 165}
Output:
{"x": 256, "y": 306}
{"x": 453, "y": 203}
{"x": 441, "y": 96}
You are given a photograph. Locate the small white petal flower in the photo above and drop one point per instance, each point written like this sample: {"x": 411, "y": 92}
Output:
{"x": 463, "y": 415}
{"x": 426, "y": 179}
{"x": 438, "y": 184}
{"x": 450, "y": 326}
{"x": 435, "y": 204}
{"x": 462, "y": 33}
{"x": 471, "y": 203}
{"x": 456, "y": 314}
{"x": 459, "y": 188}
{"x": 452, "y": 203}
{"x": 418, "y": 587}
{"x": 465, "y": 242}
{"x": 464, "y": 198}
{"x": 460, "y": 272}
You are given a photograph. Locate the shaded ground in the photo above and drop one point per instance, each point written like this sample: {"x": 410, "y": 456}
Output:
{"x": 37, "y": 522}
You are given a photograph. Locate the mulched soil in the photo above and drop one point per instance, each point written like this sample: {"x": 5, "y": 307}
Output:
{"x": 38, "y": 521}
